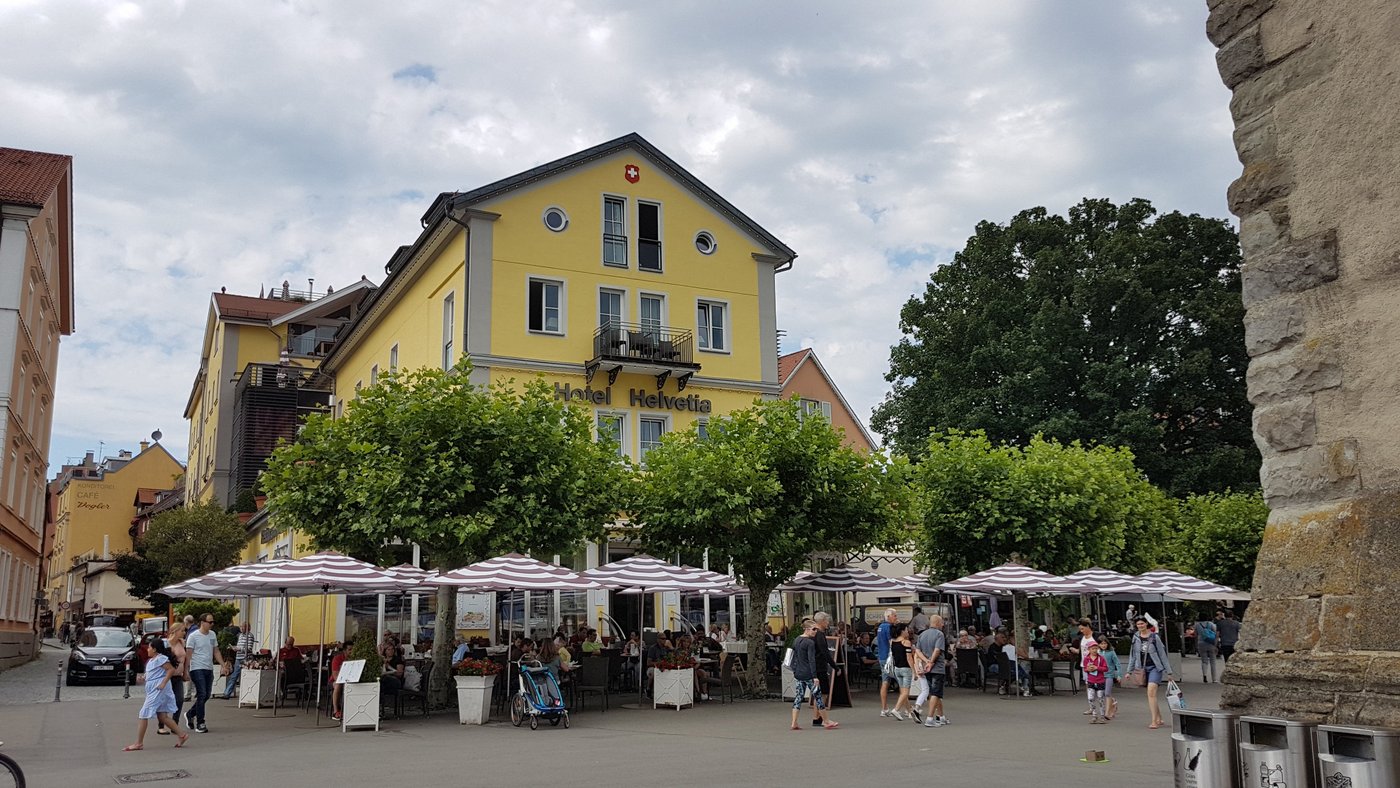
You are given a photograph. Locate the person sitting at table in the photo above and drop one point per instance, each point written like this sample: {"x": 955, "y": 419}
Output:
{"x": 1006, "y": 642}
{"x": 865, "y": 653}
{"x": 392, "y": 672}
{"x": 550, "y": 661}
{"x": 591, "y": 644}
{"x": 768, "y": 634}
{"x": 565, "y": 655}
{"x": 460, "y": 653}
{"x": 714, "y": 633}
{"x": 289, "y": 653}
{"x": 966, "y": 641}
{"x": 337, "y": 689}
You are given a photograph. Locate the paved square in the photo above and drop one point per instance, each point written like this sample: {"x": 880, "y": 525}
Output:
{"x": 992, "y": 742}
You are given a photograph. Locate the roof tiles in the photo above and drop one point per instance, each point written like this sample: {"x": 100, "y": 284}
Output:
{"x": 28, "y": 177}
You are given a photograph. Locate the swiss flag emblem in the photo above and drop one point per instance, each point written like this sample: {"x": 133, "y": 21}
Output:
{"x": 632, "y": 173}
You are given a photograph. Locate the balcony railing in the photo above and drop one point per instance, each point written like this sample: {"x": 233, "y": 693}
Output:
{"x": 653, "y": 346}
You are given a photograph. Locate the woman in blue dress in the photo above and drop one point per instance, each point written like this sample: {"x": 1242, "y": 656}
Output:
{"x": 160, "y": 698}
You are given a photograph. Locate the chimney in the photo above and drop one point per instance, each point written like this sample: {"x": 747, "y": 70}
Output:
{"x": 88, "y": 459}
{"x": 106, "y": 547}
{"x": 124, "y": 454}
{"x": 286, "y": 290}
{"x": 145, "y": 445}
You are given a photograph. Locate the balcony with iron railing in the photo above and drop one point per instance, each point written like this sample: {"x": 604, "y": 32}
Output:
{"x": 644, "y": 348}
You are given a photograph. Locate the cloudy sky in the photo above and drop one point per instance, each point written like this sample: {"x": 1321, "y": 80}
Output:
{"x": 238, "y": 144}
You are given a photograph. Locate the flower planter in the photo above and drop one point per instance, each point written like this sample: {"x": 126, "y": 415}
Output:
{"x": 474, "y": 699}
{"x": 674, "y": 688}
{"x": 257, "y": 688}
{"x": 359, "y": 706}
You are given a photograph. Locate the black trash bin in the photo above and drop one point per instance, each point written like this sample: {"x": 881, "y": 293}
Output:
{"x": 1275, "y": 751}
{"x": 1356, "y": 757}
{"x": 1204, "y": 748}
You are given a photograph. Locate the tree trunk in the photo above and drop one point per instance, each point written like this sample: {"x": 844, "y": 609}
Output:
{"x": 1022, "y": 611}
{"x": 756, "y": 677}
{"x": 440, "y": 686}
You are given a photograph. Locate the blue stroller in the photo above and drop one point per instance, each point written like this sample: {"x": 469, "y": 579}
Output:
{"x": 538, "y": 696}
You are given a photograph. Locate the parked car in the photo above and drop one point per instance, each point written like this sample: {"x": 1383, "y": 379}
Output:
{"x": 101, "y": 654}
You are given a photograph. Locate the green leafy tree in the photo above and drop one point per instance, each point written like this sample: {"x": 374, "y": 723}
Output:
{"x": 1055, "y": 507}
{"x": 1219, "y": 537}
{"x": 467, "y": 472}
{"x": 1105, "y": 326}
{"x": 180, "y": 544}
{"x": 764, "y": 490}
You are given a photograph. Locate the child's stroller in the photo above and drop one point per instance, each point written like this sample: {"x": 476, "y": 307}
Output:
{"x": 538, "y": 696}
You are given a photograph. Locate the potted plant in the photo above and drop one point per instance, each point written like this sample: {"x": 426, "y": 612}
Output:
{"x": 476, "y": 678}
{"x": 360, "y": 706}
{"x": 258, "y": 684}
{"x": 674, "y": 681}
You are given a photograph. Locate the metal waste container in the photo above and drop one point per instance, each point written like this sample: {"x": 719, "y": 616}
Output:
{"x": 1352, "y": 757}
{"x": 1203, "y": 748}
{"x": 1278, "y": 752}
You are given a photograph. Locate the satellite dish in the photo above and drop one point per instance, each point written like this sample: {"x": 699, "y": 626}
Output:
{"x": 156, "y": 436}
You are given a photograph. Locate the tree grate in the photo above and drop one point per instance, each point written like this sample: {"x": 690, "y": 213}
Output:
{"x": 150, "y": 777}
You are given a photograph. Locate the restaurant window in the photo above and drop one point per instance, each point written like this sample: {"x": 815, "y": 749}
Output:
{"x": 650, "y": 435}
{"x": 615, "y": 231}
{"x": 449, "y": 331}
{"x": 612, "y": 426}
{"x": 546, "y": 306}
{"x": 541, "y": 623}
{"x": 648, "y": 237}
{"x": 710, "y": 326}
{"x": 361, "y": 615}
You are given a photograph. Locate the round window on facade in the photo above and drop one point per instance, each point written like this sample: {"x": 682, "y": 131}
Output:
{"x": 705, "y": 243}
{"x": 555, "y": 218}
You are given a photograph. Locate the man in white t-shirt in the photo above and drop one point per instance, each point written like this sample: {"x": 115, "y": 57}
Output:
{"x": 203, "y": 648}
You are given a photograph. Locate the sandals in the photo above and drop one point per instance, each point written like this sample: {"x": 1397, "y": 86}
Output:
{"x": 1154, "y": 726}
{"x": 797, "y": 727}
{"x": 184, "y": 737}
{"x": 133, "y": 747}
{"x": 831, "y": 726}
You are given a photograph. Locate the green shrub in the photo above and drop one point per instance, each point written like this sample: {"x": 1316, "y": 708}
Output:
{"x": 223, "y": 614}
{"x": 366, "y": 649}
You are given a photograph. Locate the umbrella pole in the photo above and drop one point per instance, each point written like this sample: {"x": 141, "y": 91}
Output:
{"x": 276, "y": 665}
{"x": 321, "y": 657}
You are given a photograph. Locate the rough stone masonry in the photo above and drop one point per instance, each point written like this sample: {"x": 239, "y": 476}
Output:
{"x": 1317, "y": 126}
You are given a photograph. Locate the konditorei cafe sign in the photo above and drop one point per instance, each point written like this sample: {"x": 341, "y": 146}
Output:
{"x": 636, "y": 398}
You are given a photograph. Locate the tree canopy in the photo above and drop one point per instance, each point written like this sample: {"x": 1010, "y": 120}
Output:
{"x": 1218, "y": 537}
{"x": 765, "y": 489}
{"x": 467, "y": 472}
{"x": 180, "y": 544}
{"x": 1105, "y": 326}
{"x": 1060, "y": 508}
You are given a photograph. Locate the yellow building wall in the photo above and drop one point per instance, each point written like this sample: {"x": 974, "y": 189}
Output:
{"x": 523, "y": 247}
{"x": 413, "y": 322}
{"x": 95, "y": 508}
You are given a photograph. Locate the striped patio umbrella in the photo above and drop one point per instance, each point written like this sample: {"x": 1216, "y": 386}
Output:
{"x": 217, "y": 583}
{"x": 1107, "y": 581}
{"x": 515, "y": 572}
{"x": 1176, "y": 583}
{"x": 1012, "y": 578}
{"x": 843, "y": 579}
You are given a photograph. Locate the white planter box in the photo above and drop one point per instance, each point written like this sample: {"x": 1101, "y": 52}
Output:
{"x": 674, "y": 688}
{"x": 359, "y": 706}
{"x": 474, "y": 699}
{"x": 257, "y": 688}
{"x": 789, "y": 684}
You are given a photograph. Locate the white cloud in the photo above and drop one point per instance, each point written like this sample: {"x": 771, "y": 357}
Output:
{"x": 242, "y": 144}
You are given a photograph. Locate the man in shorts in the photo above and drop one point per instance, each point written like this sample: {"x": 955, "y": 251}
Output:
{"x": 933, "y": 646}
{"x": 882, "y": 653}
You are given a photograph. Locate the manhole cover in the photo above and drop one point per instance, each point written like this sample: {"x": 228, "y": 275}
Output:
{"x": 150, "y": 777}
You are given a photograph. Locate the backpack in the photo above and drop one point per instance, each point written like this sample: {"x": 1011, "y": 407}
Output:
{"x": 1207, "y": 632}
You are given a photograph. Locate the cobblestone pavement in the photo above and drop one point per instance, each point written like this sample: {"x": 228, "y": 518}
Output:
{"x": 34, "y": 682}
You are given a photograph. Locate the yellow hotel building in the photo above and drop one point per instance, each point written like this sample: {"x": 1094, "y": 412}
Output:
{"x": 613, "y": 273}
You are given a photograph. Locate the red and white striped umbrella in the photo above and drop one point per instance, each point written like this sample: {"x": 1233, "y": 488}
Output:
{"x": 844, "y": 579}
{"x": 324, "y": 572}
{"x": 1107, "y": 581}
{"x": 725, "y": 584}
{"x": 1174, "y": 583}
{"x": 1012, "y": 578}
{"x": 217, "y": 583}
{"x": 412, "y": 580}
{"x": 515, "y": 572}
{"x": 652, "y": 574}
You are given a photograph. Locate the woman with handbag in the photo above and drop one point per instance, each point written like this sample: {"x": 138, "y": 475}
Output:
{"x": 1147, "y": 665}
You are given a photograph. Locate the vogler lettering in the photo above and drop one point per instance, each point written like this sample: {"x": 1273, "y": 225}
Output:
{"x": 637, "y": 398}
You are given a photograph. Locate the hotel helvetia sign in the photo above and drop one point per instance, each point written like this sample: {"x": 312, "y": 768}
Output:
{"x": 636, "y": 398}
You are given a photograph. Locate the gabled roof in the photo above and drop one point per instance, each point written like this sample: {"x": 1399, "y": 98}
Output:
{"x": 28, "y": 177}
{"x": 790, "y": 363}
{"x": 145, "y": 496}
{"x": 634, "y": 141}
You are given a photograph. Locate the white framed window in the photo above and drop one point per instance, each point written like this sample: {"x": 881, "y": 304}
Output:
{"x": 615, "y": 231}
{"x": 449, "y": 330}
{"x": 653, "y": 311}
{"x": 810, "y": 406}
{"x": 614, "y": 426}
{"x": 705, "y": 242}
{"x": 649, "y": 432}
{"x": 711, "y": 326}
{"x": 649, "y": 237}
{"x": 611, "y": 307}
{"x": 374, "y": 374}
{"x": 555, "y": 219}
{"x": 545, "y": 312}
{"x": 702, "y": 429}
{"x": 394, "y": 358}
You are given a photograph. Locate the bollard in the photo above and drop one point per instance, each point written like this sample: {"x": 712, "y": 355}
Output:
{"x": 58, "y": 684}
{"x": 126, "y": 679}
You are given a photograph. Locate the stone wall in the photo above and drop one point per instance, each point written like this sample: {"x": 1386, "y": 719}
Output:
{"x": 17, "y": 648}
{"x": 1317, "y": 126}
